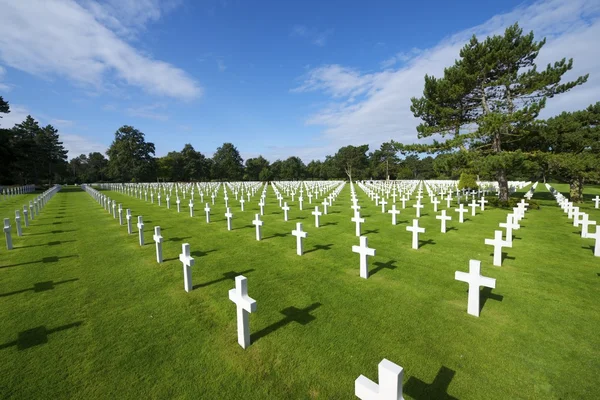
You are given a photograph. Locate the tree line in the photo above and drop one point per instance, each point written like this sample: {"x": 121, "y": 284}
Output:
{"x": 481, "y": 117}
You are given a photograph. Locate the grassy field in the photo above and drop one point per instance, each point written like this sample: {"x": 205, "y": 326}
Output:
{"x": 87, "y": 313}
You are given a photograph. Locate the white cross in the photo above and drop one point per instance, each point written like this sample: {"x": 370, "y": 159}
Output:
{"x": 299, "y": 236}
{"x": 245, "y": 306}
{"x": 285, "y": 209}
{"x": 300, "y": 200}
{"x": 128, "y": 217}
{"x": 498, "y": 244}
{"x": 355, "y": 207}
{"x": 158, "y": 239}
{"x": 435, "y": 203}
{"x": 475, "y": 280}
{"x": 576, "y": 215}
{"x": 242, "y": 201}
{"x": 403, "y": 200}
{"x": 325, "y": 204}
{"x": 188, "y": 262}
{"x": 358, "y": 221}
{"x": 7, "y": 234}
{"x": 443, "y": 218}
{"x": 596, "y": 237}
{"x": 415, "y": 229}
{"x": 228, "y": 215}
{"x": 191, "y": 204}
{"x": 418, "y": 206}
{"x": 376, "y": 197}
{"x": 509, "y": 225}
{"x": 363, "y": 250}
{"x": 585, "y": 223}
{"x": 207, "y": 211}
{"x": 462, "y": 210}
{"x": 596, "y": 201}
{"x": 261, "y": 204}
{"x": 317, "y": 214}
{"x": 448, "y": 200}
{"x": 258, "y": 223}
{"x": 310, "y": 196}
{"x": 394, "y": 213}
{"x": 390, "y": 383}
{"x": 178, "y": 201}
{"x": 140, "y": 226}
{"x": 473, "y": 206}
{"x": 383, "y": 203}
{"x": 482, "y": 202}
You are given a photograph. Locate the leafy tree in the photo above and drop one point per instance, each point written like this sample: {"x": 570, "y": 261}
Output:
{"x": 488, "y": 98}
{"x": 254, "y": 167}
{"x": 293, "y": 169}
{"x": 131, "y": 158}
{"x": 26, "y": 150}
{"x": 228, "y": 163}
{"x": 314, "y": 169}
{"x": 4, "y": 106}
{"x": 353, "y": 160}
{"x": 569, "y": 144}
{"x": 195, "y": 164}
{"x": 276, "y": 169}
{"x": 50, "y": 151}
{"x": 384, "y": 161}
{"x": 265, "y": 175}
{"x": 468, "y": 181}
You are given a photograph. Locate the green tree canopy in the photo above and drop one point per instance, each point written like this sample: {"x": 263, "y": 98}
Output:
{"x": 353, "y": 161}
{"x": 254, "y": 167}
{"x": 131, "y": 157}
{"x": 228, "y": 164}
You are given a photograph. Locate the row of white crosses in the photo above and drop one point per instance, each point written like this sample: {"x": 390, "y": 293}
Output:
{"x": 579, "y": 218}
{"x": 35, "y": 207}
{"x": 8, "y": 192}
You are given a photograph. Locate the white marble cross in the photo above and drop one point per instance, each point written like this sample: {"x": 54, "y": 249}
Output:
{"x": 229, "y": 216}
{"x": 389, "y": 387}
{"x": 261, "y": 204}
{"x": 120, "y": 211}
{"x": 140, "y": 226}
{"x": 498, "y": 244}
{"x": 383, "y": 204}
{"x": 325, "y": 204}
{"x": 403, "y": 200}
{"x": 26, "y": 216}
{"x": 299, "y": 236}
{"x": 596, "y": 201}
{"x": 595, "y": 236}
{"x": 245, "y": 305}
{"x": 317, "y": 214}
{"x": 364, "y": 251}
{"x": 191, "y": 205}
{"x": 285, "y": 209}
{"x": 168, "y": 202}
{"x": 475, "y": 280}
{"x": 242, "y": 201}
{"x": 415, "y": 229}
{"x": 158, "y": 239}
{"x": 128, "y": 217}
{"x": 418, "y": 207}
{"x": 585, "y": 223}
{"x": 358, "y": 220}
{"x": 18, "y": 223}
{"x": 300, "y": 200}
{"x": 207, "y": 211}
{"x": 448, "y": 200}
{"x": 473, "y": 206}
{"x": 258, "y": 223}
{"x": 509, "y": 225}
{"x": 483, "y": 202}
{"x": 188, "y": 262}
{"x": 394, "y": 213}
{"x": 443, "y": 218}
{"x": 461, "y": 210}
{"x": 7, "y": 234}
{"x": 435, "y": 203}
{"x": 178, "y": 201}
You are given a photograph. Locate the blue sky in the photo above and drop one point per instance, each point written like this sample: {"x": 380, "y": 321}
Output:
{"x": 276, "y": 78}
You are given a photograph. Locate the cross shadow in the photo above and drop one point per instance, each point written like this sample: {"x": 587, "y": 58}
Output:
{"x": 366, "y": 216}
{"x": 51, "y": 232}
{"x": 425, "y": 242}
{"x": 244, "y": 227}
{"x": 329, "y": 223}
{"x": 200, "y": 253}
{"x": 371, "y": 231}
{"x": 589, "y": 247}
{"x": 516, "y": 238}
{"x": 334, "y": 212}
{"x": 424, "y": 214}
{"x": 505, "y": 256}
{"x": 178, "y": 238}
{"x": 319, "y": 247}
{"x": 380, "y": 265}
{"x": 485, "y": 294}
{"x": 402, "y": 222}
{"x": 275, "y": 235}
{"x": 451, "y": 228}
{"x": 300, "y": 217}
{"x": 36, "y": 336}
{"x": 39, "y": 287}
{"x": 292, "y": 314}
{"x": 227, "y": 276}
{"x": 419, "y": 390}
{"x": 55, "y": 243}
{"x": 466, "y": 219}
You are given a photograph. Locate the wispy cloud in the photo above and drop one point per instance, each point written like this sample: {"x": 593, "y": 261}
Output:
{"x": 150, "y": 111}
{"x": 3, "y": 86}
{"x": 221, "y": 65}
{"x": 17, "y": 114}
{"x": 84, "y": 43}
{"x": 373, "y": 107}
{"x": 61, "y": 123}
{"x": 77, "y": 144}
{"x": 316, "y": 36}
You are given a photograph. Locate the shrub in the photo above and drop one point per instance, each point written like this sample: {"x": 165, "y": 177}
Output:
{"x": 468, "y": 181}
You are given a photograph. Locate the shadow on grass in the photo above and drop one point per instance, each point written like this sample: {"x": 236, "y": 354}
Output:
{"x": 51, "y": 232}
{"x": 280, "y": 235}
{"x": 55, "y": 243}
{"x": 178, "y": 239}
{"x": 451, "y": 228}
{"x": 485, "y": 294}
{"x": 36, "y": 336}
{"x": 438, "y": 389}
{"x": 244, "y": 227}
{"x": 318, "y": 247}
{"x": 589, "y": 247}
{"x": 329, "y": 223}
{"x": 426, "y": 242}
{"x": 227, "y": 276}
{"x": 292, "y": 314}
{"x": 200, "y": 253}
{"x": 380, "y": 265}
{"x": 370, "y": 231}
{"x": 505, "y": 256}
{"x": 39, "y": 287}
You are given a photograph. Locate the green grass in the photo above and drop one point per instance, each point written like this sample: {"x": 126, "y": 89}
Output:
{"x": 114, "y": 324}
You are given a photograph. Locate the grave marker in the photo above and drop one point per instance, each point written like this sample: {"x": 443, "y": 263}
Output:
{"x": 258, "y": 223}
{"x": 389, "y": 387}
{"x": 415, "y": 229}
{"x": 364, "y": 251}
{"x": 188, "y": 262}
{"x": 475, "y": 280}
{"x": 299, "y": 236}
{"x": 140, "y": 226}
{"x": 158, "y": 239}
{"x": 245, "y": 305}
{"x": 498, "y": 243}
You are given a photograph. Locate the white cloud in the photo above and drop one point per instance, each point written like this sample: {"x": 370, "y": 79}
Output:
{"x": 82, "y": 43}
{"x": 61, "y": 123}
{"x": 17, "y": 114}
{"x": 150, "y": 111}
{"x": 373, "y": 107}
{"x": 316, "y": 36}
{"x": 77, "y": 144}
{"x": 3, "y": 86}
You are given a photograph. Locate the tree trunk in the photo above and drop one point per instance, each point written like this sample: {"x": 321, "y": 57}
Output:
{"x": 502, "y": 185}
{"x": 576, "y": 189}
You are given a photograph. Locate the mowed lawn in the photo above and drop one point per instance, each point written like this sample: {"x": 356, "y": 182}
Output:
{"x": 88, "y": 314}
